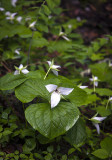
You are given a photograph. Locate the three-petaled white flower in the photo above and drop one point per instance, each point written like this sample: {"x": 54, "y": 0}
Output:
{"x": 13, "y": 2}
{"x": 32, "y": 24}
{"x": 56, "y": 93}
{"x": 53, "y": 67}
{"x": 94, "y": 80}
{"x": 63, "y": 35}
{"x": 21, "y": 69}
{"x": 10, "y": 16}
{"x": 96, "y": 121}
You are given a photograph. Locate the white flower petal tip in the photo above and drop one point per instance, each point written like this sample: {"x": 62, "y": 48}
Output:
{"x": 19, "y": 19}
{"x": 56, "y": 93}
{"x": 13, "y": 2}
{"x": 25, "y": 71}
{"x": 21, "y": 69}
{"x": 32, "y": 24}
{"x": 17, "y": 51}
{"x": 99, "y": 118}
{"x": 65, "y": 91}
{"x": 51, "y": 87}
{"x": 55, "y": 99}
{"x": 83, "y": 87}
{"x": 97, "y": 127}
{"x": 110, "y": 99}
{"x": 94, "y": 80}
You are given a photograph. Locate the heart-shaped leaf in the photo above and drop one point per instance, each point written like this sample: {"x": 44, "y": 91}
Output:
{"x": 52, "y": 122}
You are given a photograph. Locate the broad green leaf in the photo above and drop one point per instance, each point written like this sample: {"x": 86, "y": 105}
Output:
{"x": 11, "y": 81}
{"x": 103, "y": 111}
{"x": 100, "y": 153}
{"x": 77, "y": 133}
{"x": 30, "y": 89}
{"x": 102, "y": 71}
{"x": 39, "y": 42}
{"x": 29, "y": 145}
{"x": 107, "y": 145}
{"x": 52, "y": 4}
{"x": 104, "y": 91}
{"x": 52, "y": 122}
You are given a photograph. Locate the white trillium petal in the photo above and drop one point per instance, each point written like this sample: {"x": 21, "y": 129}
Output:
{"x": 91, "y": 79}
{"x": 19, "y": 19}
{"x": 13, "y": 2}
{"x": 13, "y": 15}
{"x": 7, "y": 17}
{"x": 51, "y": 87}
{"x": 16, "y": 72}
{"x": 55, "y": 72}
{"x": 21, "y": 66}
{"x": 65, "y": 91}
{"x": 7, "y": 13}
{"x": 97, "y": 127}
{"x": 96, "y": 84}
{"x": 99, "y": 118}
{"x": 55, "y": 66}
{"x": 32, "y": 24}
{"x": 95, "y": 78}
{"x": 55, "y": 98}
{"x": 25, "y": 71}
{"x": 110, "y": 99}
{"x": 83, "y": 87}
{"x": 49, "y": 63}
{"x": 67, "y": 39}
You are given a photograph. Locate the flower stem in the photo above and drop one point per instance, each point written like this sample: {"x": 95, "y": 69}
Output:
{"x": 47, "y": 73}
{"x": 94, "y": 86}
{"x": 107, "y": 104}
{"x": 24, "y": 111}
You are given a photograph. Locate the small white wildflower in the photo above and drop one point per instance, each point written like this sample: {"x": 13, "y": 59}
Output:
{"x": 56, "y": 93}
{"x": 13, "y": 2}
{"x": 53, "y": 67}
{"x": 63, "y": 35}
{"x": 69, "y": 26}
{"x": 21, "y": 69}
{"x": 2, "y": 9}
{"x": 78, "y": 19}
{"x": 32, "y": 24}
{"x": 96, "y": 121}
{"x": 17, "y": 51}
{"x": 10, "y": 16}
{"x": 94, "y": 80}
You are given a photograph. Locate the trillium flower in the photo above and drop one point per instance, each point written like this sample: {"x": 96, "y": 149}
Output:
{"x": 13, "y": 2}
{"x": 10, "y": 16}
{"x": 2, "y": 9}
{"x": 17, "y": 51}
{"x": 96, "y": 121}
{"x": 63, "y": 35}
{"x": 32, "y": 24}
{"x": 94, "y": 80}
{"x": 21, "y": 69}
{"x": 56, "y": 93}
{"x": 53, "y": 67}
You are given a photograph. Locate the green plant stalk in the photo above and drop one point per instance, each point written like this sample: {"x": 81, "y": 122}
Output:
{"x": 24, "y": 111}
{"x": 94, "y": 86}
{"x": 47, "y": 73}
{"x": 107, "y": 104}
